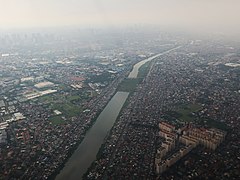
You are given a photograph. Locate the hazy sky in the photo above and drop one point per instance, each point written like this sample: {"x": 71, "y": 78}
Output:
{"x": 204, "y": 14}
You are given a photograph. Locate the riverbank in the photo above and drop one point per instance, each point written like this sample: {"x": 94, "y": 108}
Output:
{"x": 124, "y": 86}
{"x": 86, "y": 152}
{"x": 142, "y": 71}
{"x": 129, "y": 84}
{"x": 74, "y": 147}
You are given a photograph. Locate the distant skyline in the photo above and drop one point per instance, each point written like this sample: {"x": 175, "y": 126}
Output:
{"x": 203, "y": 15}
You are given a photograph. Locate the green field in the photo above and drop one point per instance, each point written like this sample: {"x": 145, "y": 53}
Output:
{"x": 46, "y": 99}
{"x": 143, "y": 70}
{"x": 68, "y": 109}
{"x": 185, "y": 112}
{"x": 73, "y": 98}
{"x": 56, "y": 120}
{"x": 213, "y": 123}
{"x": 63, "y": 103}
{"x": 128, "y": 84}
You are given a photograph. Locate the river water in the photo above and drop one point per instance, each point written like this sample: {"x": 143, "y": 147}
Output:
{"x": 134, "y": 72}
{"x": 86, "y": 152}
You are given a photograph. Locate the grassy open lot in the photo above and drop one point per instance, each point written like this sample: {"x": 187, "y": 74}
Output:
{"x": 128, "y": 84}
{"x": 64, "y": 87}
{"x": 56, "y": 120}
{"x": 214, "y": 124}
{"x": 143, "y": 70}
{"x": 63, "y": 103}
{"x": 68, "y": 109}
{"x": 184, "y": 114}
{"x": 73, "y": 98}
{"x": 46, "y": 99}
{"x": 185, "y": 111}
